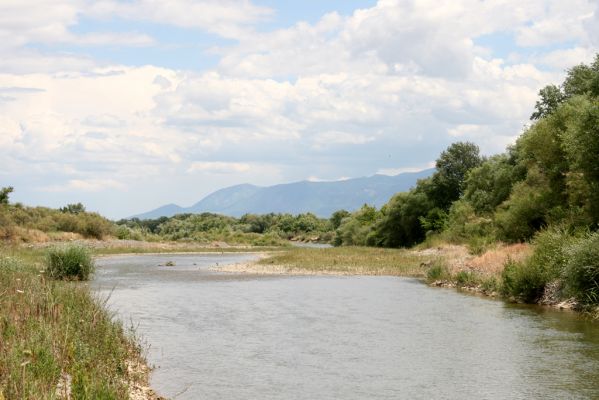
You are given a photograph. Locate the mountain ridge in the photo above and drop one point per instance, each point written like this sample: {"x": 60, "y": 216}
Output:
{"x": 320, "y": 198}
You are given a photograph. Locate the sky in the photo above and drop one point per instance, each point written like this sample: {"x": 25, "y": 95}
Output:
{"x": 129, "y": 105}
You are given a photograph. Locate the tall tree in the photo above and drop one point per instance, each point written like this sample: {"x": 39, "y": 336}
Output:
{"x": 449, "y": 181}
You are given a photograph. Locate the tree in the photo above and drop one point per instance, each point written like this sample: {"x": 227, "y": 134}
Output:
{"x": 490, "y": 184}
{"x": 550, "y": 98}
{"x": 448, "y": 183}
{"x": 4, "y": 193}
{"x": 337, "y": 217}
{"x": 73, "y": 208}
{"x": 580, "y": 79}
{"x": 401, "y": 225}
{"x": 581, "y": 144}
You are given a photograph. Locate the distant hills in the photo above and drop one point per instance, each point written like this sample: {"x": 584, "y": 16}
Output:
{"x": 320, "y": 198}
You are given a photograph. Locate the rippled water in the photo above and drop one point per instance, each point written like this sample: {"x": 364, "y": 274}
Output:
{"x": 224, "y": 336}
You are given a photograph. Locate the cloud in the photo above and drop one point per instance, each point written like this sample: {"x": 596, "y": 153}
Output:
{"x": 227, "y": 18}
{"x": 218, "y": 167}
{"x": 91, "y": 185}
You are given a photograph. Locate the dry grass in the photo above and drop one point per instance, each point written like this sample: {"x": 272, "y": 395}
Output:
{"x": 493, "y": 261}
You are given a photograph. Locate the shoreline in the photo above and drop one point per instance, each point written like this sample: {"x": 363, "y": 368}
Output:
{"x": 458, "y": 263}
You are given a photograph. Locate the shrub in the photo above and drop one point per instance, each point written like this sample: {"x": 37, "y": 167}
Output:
{"x": 582, "y": 270}
{"x": 466, "y": 278}
{"x": 490, "y": 285}
{"x": 523, "y": 281}
{"x": 69, "y": 262}
{"x": 437, "y": 271}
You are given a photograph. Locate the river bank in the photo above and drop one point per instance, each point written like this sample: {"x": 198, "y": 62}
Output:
{"x": 59, "y": 340}
{"x": 446, "y": 265}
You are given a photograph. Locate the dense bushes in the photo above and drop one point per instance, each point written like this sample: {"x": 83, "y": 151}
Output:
{"x": 69, "y": 263}
{"x": 89, "y": 225}
{"x": 565, "y": 262}
{"x": 249, "y": 229}
{"x": 582, "y": 270}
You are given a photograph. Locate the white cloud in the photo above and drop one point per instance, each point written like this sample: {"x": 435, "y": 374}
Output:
{"x": 228, "y": 18}
{"x": 332, "y": 138}
{"x": 91, "y": 185}
{"x": 218, "y": 167}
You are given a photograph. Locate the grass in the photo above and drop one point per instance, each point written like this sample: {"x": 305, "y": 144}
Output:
{"x": 70, "y": 262}
{"x": 349, "y": 260}
{"x": 438, "y": 272}
{"x": 53, "y": 331}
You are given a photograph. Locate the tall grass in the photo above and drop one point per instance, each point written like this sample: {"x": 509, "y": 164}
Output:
{"x": 71, "y": 262}
{"x": 54, "y": 331}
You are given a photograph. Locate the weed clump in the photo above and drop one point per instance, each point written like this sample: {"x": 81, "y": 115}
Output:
{"x": 69, "y": 263}
{"x": 437, "y": 272}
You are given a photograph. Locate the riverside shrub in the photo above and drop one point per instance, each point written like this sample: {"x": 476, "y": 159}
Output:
{"x": 582, "y": 270}
{"x": 69, "y": 263}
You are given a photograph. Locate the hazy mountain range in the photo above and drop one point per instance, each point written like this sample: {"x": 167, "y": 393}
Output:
{"x": 320, "y": 198}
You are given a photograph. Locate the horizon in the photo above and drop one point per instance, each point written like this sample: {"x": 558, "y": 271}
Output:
{"x": 269, "y": 186}
{"x": 128, "y": 106}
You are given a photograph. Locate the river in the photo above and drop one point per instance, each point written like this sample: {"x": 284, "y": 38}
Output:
{"x": 223, "y": 336}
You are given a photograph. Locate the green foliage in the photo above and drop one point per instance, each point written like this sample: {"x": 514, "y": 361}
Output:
{"x": 466, "y": 279}
{"x": 581, "y": 143}
{"x": 526, "y": 211}
{"x": 490, "y": 285}
{"x": 337, "y": 218}
{"x": 527, "y": 280}
{"x": 551, "y": 97}
{"x": 400, "y": 225}
{"x": 73, "y": 208}
{"x": 69, "y": 263}
{"x": 463, "y": 225}
{"x": 434, "y": 221}
{"x": 522, "y": 282}
{"x": 437, "y": 272}
{"x": 357, "y": 229}
{"x": 581, "y": 78}
{"x": 490, "y": 184}
{"x": 49, "y": 328}
{"x": 582, "y": 270}
{"x": 4, "y": 193}
{"x": 449, "y": 181}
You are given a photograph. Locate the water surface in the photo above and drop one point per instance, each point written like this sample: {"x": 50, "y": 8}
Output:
{"x": 226, "y": 336}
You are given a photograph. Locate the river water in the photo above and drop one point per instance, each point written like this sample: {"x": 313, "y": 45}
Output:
{"x": 224, "y": 336}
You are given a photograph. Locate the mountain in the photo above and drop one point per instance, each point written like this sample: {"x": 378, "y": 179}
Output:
{"x": 320, "y": 198}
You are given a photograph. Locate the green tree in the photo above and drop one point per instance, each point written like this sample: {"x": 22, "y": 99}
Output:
{"x": 490, "y": 184}
{"x": 77, "y": 208}
{"x": 337, "y": 217}
{"x": 448, "y": 182}
{"x": 551, "y": 97}
{"x": 4, "y": 193}
{"x": 581, "y": 144}
{"x": 400, "y": 225}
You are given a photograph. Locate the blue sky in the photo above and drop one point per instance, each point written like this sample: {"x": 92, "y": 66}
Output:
{"x": 129, "y": 105}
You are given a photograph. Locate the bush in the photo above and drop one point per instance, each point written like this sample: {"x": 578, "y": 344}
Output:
{"x": 523, "y": 281}
{"x": 69, "y": 263}
{"x": 466, "y": 278}
{"x": 437, "y": 272}
{"x": 582, "y": 270}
